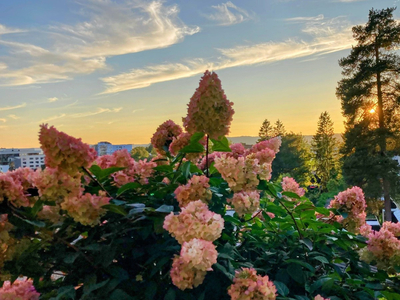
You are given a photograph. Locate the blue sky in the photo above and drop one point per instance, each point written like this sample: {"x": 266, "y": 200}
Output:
{"x": 115, "y": 70}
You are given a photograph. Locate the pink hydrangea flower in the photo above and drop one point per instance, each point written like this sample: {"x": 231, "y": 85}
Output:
{"x": 199, "y": 254}
{"x": 181, "y": 141}
{"x": 247, "y": 285}
{"x": 54, "y": 185}
{"x": 245, "y": 202}
{"x": 238, "y": 150}
{"x": 197, "y": 188}
{"x": 319, "y": 297}
{"x": 383, "y": 247}
{"x": 351, "y": 201}
{"x": 211, "y": 158}
{"x": 12, "y": 191}
{"x": 19, "y": 290}
{"x": 273, "y": 144}
{"x": 242, "y": 173}
{"x": 164, "y": 135}
{"x": 194, "y": 221}
{"x": 209, "y": 111}
{"x": 64, "y": 152}
{"x": 134, "y": 170}
{"x": 183, "y": 276}
{"x": 86, "y": 209}
{"x": 290, "y": 185}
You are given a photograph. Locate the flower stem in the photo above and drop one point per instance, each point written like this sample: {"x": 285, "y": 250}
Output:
{"x": 207, "y": 156}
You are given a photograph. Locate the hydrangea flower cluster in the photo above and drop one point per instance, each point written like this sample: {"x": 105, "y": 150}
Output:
{"x": 12, "y": 190}
{"x": 209, "y": 110}
{"x": 319, "y": 297}
{"x": 164, "y": 135}
{"x": 352, "y": 202}
{"x": 134, "y": 170}
{"x": 64, "y": 152}
{"x": 182, "y": 141}
{"x": 197, "y": 188}
{"x": 196, "y": 258}
{"x": 273, "y": 144}
{"x": 195, "y": 228}
{"x": 19, "y": 290}
{"x": 290, "y": 185}
{"x": 242, "y": 173}
{"x": 383, "y": 247}
{"x": 194, "y": 221}
{"x": 86, "y": 209}
{"x": 54, "y": 185}
{"x": 247, "y": 285}
{"x": 245, "y": 202}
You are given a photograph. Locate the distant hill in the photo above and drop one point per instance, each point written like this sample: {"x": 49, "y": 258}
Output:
{"x": 251, "y": 140}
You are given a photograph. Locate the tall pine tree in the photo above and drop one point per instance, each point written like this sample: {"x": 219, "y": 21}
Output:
{"x": 266, "y": 131}
{"x": 324, "y": 148}
{"x": 370, "y": 96}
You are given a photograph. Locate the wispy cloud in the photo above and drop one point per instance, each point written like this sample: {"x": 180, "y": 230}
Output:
{"x": 14, "y": 117}
{"x": 96, "y": 112}
{"x": 111, "y": 28}
{"x": 12, "y": 107}
{"x": 302, "y": 19}
{"x": 3, "y": 120}
{"x": 53, "y": 118}
{"x": 325, "y": 36}
{"x": 7, "y": 30}
{"x": 52, "y": 99}
{"x": 228, "y": 14}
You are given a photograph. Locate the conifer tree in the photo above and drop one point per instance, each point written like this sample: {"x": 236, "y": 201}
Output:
{"x": 265, "y": 131}
{"x": 370, "y": 94}
{"x": 323, "y": 147}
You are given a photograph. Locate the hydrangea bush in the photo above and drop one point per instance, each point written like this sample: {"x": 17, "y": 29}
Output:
{"x": 199, "y": 221}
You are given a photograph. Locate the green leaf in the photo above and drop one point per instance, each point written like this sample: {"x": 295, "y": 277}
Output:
{"x": 127, "y": 187}
{"x": 95, "y": 170}
{"x": 196, "y": 137}
{"x": 301, "y": 263}
{"x": 186, "y": 169}
{"x": 35, "y": 223}
{"x": 164, "y": 168}
{"x": 115, "y": 209}
{"x": 65, "y": 292}
{"x": 308, "y": 243}
{"x": 70, "y": 258}
{"x": 104, "y": 174}
{"x": 170, "y": 295}
{"x": 291, "y": 195}
{"x": 194, "y": 147}
{"x": 37, "y": 207}
{"x": 221, "y": 145}
{"x": 296, "y": 272}
{"x": 165, "y": 208}
{"x": 118, "y": 272}
{"x": 321, "y": 259}
{"x": 119, "y": 294}
{"x": 281, "y": 288}
{"x": 322, "y": 210}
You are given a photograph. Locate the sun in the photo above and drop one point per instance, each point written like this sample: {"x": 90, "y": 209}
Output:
{"x": 372, "y": 110}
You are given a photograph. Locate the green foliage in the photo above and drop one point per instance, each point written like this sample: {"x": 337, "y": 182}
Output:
{"x": 139, "y": 153}
{"x": 369, "y": 92}
{"x": 324, "y": 151}
{"x": 293, "y": 159}
{"x": 130, "y": 255}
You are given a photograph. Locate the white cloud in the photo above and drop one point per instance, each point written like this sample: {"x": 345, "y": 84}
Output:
{"x": 111, "y": 28}
{"x": 228, "y": 14}
{"x": 3, "y": 120}
{"x": 53, "y": 118}
{"x": 325, "y": 36}
{"x": 7, "y": 30}
{"x": 96, "y": 112}
{"x": 14, "y": 117}
{"x": 302, "y": 19}
{"x": 12, "y": 107}
{"x": 52, "y": 99}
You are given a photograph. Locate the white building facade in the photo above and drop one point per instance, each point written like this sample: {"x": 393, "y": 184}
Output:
{"x": 106, "y": 148}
